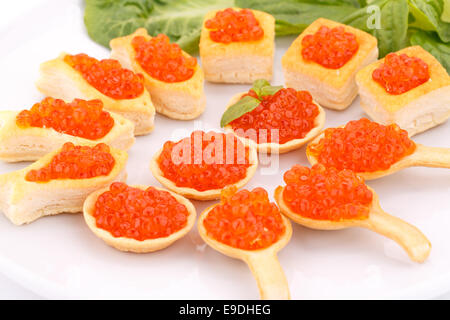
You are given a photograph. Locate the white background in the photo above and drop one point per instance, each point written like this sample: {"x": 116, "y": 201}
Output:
{"x": 11, "y": 12}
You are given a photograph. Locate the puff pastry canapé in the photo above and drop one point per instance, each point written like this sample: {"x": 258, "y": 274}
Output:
{"x": 31, "y": 143}
{"x": 416, "y": 110}
{"x": 60, "y": 80}
{"x": 331, "y": 88}
{"x": 183, "y": 100}
{"x": 210, "y": 194}
{"x": 239, "y": 62}
{"x": 270, "y": 147}
{"x": 130, "y": 244}
{"x": 24, "y": 201}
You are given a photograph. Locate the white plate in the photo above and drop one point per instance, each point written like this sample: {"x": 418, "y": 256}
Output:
{"x": 58, "y": 257}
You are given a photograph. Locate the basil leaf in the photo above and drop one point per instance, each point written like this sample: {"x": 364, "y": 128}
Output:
{"x": 244, "y": 105}
{"x": 432, "y": 43}
{"x": 427, "y": 16}
{"x": 269, "y": 90}
{"x": 180, "y": 20}
{"x": 258, "y": 85}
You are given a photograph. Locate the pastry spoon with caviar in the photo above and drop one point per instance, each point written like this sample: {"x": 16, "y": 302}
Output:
{"x": 328, "y": 199}
{"x": 373, "y": 150}
{"x": 245, "y": 225}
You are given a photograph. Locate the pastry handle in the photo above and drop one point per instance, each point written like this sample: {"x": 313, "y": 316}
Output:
{"x": 432, "y": 157}
{"x": 406, "y": 235}
{"x": 269, "y": 275}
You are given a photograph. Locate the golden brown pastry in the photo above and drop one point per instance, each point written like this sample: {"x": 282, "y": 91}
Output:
{"x": 204, "y": 178}
{"x": 238, "y": 61}
{"x": 415, "y": 110}
{"x": 59, "y": 79}
{"x": 331, "y": 86}
{"x": 182, "y": 100}
{"x": 136, "y": 230}
{"x": 60, "y": 181}
{"x": 29, "y": 134}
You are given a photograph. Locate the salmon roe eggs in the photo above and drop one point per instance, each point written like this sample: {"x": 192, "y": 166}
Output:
{"x": 326, "y": 193}
{"x": 205, "y": 161}
{"x": 362, "y": 146}
{"x": 75, "y": 162}
{"x": 231, "y": 25}
{"x": 245, "y": 220}
{"x": 139, "y": 214}
{"x": 331, "y": 48}
{"x": 108, "y": 76}
{"x": 401, "y": 73}
{"x": 80, "y": 118}
{"x": 163, "y": 60}
{"x": 279, "y": 118}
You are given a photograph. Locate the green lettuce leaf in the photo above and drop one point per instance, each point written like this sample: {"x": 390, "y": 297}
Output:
{"x": 433, "y": 44}
{"x": 427, "y": 16}
{"x": 392, "y": 31}
{"x": 180, "y": 20}
{"x": 293, "y": 16}
{"x": 445, "y": 16}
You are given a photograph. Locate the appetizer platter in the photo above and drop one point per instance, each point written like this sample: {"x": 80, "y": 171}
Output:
{"x": 126, "y": 219}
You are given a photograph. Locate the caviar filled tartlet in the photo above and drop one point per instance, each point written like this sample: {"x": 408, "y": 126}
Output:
{"x": 201, "y": 165}
{"x": 237, "y": 45}
{"x": 80, "y": 76}
{"x": 324, "y": 60}
{"x": 373, "y": 150}
{"x": 173, "y": 78}
{"x": 246, "y": 225}
{"x": 331, "y": 199}
{"x": 273, "y": 119}
{"x": 60, "y": 181}
{"x": 30, "y": 134}
{"x": 409, "y": 87}
{"x": 138, "y": 218}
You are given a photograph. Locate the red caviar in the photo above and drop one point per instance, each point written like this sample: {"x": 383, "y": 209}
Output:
{"x": 75, "y": 162}
{"x": 163, "y": 60}
{"x": 231, "y": 25}
{"x": 331, "y": 48}
{"x": 245, "y": 220}
{"x": 284, "y": 116}
{"x": 108, "y": 76}
{"x": 205, "y": 161}
{"x": 401, "y": 73}
{"x": 80, "y": 118}
{"x": 139, "y": 214}
{"x": 362, "y": 146}
{"x": 326, "y": 193}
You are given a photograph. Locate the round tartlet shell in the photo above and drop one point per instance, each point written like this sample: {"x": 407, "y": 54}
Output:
{"x": 275, "y": 148}
{"x": 192, "y": 193}
{"x": 133, "y": 245}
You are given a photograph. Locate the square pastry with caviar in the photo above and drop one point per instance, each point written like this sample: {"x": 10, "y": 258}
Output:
{"x": 324, "y": 60}
{"x": 409, "y": 87}
{"x": 237, "y": 45}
